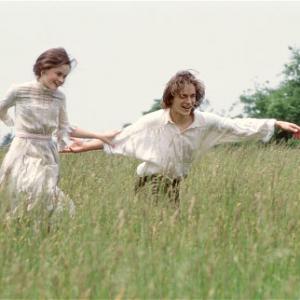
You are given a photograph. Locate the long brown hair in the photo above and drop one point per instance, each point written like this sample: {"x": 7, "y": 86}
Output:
{"x": 176, "y": 84}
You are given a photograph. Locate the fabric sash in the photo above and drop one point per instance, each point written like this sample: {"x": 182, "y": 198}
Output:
{"x": 33, "y": 136}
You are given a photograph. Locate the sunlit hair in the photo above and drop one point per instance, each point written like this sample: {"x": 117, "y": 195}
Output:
{"x": 176, "y": 85}
{"x": 52, "y": 58}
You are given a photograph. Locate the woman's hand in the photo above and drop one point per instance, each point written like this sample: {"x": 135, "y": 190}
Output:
{"x": 107, "y": 137}
{"x": 76, "y": 146}
{"x": 97, "y": 143}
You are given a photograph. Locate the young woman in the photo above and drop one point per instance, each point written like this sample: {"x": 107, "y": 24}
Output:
{"x": 167, "y": 141}
{"x": 30, "y": 169}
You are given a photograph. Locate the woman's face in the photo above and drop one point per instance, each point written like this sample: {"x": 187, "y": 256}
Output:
{"x": 54, "y": 77}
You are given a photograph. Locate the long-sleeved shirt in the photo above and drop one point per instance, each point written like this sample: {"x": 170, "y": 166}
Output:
{"x": 164, "y": 149}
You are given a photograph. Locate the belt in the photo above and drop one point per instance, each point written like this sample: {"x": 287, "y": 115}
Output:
{"x": 33, "y": 136}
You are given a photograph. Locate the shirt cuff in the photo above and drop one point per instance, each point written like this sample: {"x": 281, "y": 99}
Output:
{"x": 270, "y": 130}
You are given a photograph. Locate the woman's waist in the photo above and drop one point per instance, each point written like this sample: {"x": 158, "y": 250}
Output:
{"x": 33, "y": 135}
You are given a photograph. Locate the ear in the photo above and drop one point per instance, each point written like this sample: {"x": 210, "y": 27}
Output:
{"x": 43, "y": 72}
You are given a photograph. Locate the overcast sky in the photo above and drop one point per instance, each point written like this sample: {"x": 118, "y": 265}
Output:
{"x": 127, "y": 51}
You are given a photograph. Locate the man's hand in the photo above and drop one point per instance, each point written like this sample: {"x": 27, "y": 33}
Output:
{"x": 287, "y": 126}
{"x": 76, "y": 146}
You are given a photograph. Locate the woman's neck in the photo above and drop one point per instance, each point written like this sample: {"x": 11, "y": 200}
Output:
{"x": 41, "y": 84}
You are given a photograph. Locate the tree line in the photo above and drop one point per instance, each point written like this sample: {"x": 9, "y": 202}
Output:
{"x": 281, "y": 102}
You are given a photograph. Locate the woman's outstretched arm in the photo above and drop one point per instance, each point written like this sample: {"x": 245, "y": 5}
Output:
{"x": 79, "y": 145}
{"x": 105, "y": 137}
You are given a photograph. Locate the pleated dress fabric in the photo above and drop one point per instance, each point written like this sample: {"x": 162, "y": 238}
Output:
{"x": 29, "y": 173}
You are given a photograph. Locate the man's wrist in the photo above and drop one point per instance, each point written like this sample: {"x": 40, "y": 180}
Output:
{"x": 277, "y": 124}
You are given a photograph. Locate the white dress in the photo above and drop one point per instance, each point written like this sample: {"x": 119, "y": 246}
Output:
{"x": 30, "y": 169}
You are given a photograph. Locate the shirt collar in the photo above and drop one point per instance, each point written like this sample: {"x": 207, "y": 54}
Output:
{"x": 167, "y": 117}
{"x": 198, "y": 119}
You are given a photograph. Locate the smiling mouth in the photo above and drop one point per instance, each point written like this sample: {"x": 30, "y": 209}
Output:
{"x": 187, "y": 107}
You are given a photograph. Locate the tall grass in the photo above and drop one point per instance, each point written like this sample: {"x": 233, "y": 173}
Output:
{"x": 235, "y": 235}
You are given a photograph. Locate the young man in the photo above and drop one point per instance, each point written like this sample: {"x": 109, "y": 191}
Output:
{"x": 167, "y": 140}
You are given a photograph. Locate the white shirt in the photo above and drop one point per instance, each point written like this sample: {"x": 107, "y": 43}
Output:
{"x": 164, "y": 149}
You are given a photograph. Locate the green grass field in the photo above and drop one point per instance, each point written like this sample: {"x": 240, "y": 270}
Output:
{"x": 236, "y": 234}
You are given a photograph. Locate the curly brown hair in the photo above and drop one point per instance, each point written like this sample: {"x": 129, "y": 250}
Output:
{"x": 177, "y": 83}
{"x": 52, "y": 58}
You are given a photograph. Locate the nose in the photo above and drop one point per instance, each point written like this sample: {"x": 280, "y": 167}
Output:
{"x": 190, "y": 100}
{"x": 61, "y": 79}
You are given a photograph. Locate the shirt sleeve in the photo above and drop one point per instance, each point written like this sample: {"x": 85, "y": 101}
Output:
{"x": 64, "y": 128}
{"x": 225, "y": 130}
{"x": 8, "y": 101}
{"x": 136, "y": 140}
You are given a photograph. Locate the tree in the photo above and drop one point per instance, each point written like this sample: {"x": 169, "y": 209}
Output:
{"x": 7, "y": 139}
{"x": 282, "y": 102}
{"x": 155, "y": 106}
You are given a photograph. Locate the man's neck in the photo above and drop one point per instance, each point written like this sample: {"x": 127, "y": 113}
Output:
{"x": 182, "y": 122}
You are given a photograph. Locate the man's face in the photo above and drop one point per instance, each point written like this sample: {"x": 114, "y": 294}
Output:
{"x": 184, "y": 101}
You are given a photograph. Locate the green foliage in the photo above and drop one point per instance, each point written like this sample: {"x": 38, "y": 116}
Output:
{"x": 126, "y": 125}
{"x": 155, "y": 106}
{"x": 292, "y": 69}
{"x": 236, "y": 234}
{"x": 7, "y": 139}
{"x": 283, "y": 102}
{"x": 205, "y": 105}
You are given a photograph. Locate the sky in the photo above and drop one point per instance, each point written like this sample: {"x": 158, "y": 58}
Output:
{"x": 127, "y": 51}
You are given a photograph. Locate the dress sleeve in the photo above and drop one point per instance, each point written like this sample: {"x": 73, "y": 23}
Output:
{"x": 64, "y": 128}
{"x": 8, "y": 101}
{"x": 225, "y": 130}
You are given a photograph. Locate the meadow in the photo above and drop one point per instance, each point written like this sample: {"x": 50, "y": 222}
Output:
{"x": 235, "y": 235}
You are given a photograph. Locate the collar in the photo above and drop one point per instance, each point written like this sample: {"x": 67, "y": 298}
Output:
{"x": 198, "y": 118}
{"x": 43, "y": 87}
{"x": 40, "y": 85}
